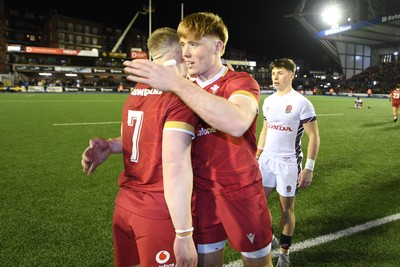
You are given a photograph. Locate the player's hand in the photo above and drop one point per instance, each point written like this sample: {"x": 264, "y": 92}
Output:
{"x": 95, "y": 154}
{"x": 305, "y": 178}
{"x": 157, "y": 76}
{"x": 185, "y": 252}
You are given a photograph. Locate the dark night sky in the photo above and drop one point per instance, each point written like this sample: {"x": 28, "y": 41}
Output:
{"x": 256, "y": 26}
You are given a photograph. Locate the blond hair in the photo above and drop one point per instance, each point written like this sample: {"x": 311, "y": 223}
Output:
{"x": 162, "y": 41}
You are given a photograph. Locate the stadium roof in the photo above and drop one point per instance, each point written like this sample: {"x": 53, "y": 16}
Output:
{"x": 383, "y": 30}
{"x": 376, "y": 23}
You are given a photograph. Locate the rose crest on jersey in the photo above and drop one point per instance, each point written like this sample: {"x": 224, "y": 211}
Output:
{"x": 288, "y": 109}
{"x": 288, "y": 189}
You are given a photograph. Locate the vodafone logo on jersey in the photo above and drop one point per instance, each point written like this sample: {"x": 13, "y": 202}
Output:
{"x": 162, "y": 257}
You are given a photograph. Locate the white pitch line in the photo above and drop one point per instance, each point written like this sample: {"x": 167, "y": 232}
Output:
{"x": 85, "y": 123}
{"x": 343, "y": 233}
{"x": 330, "y": 237}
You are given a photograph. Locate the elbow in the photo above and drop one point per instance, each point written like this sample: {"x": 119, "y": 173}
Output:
{"x": 238, "y": 130}
{"x": 237, "y": 133}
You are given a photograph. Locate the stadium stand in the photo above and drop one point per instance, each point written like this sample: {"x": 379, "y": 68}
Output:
{"x": 365, "y": 43}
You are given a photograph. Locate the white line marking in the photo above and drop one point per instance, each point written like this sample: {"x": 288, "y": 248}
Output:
{"x": 85, "y": 123}
{"x": 333, "y": 114}
{"x": 330, "y": 237}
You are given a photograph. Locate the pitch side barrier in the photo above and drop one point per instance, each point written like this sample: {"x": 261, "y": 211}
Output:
{"x": 68, "y": 89}
{"x": 93, "y": 89}
{"x": 362, "y": 95}
{"x": 308, "y": 92}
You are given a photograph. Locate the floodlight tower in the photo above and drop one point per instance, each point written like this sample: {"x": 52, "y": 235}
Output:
{"x": 145, "y": 10}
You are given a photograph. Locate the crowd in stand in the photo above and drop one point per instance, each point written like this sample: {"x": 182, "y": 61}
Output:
{"x": 380, "y": 79}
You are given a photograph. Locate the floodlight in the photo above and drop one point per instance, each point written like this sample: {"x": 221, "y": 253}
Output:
{"x": 331, "y": 15}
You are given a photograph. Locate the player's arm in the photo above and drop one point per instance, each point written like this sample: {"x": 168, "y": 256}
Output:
{"x": 306, "y": 175}
{"x": 312, "y": 132}
{"x": 178, "y": 185}
{"x": 261, "y": 139}
{"x": 233, "y": 116}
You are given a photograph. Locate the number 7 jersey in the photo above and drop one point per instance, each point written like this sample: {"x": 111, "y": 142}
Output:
{"x": 148, "y": 112}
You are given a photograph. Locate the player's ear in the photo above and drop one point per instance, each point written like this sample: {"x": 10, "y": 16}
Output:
{"x": 219, "y": 46}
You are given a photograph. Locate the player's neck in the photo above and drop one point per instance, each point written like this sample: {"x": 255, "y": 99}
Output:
{"x": 285, "y": 91}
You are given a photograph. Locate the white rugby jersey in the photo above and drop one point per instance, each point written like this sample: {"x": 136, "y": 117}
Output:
{"x": 285, "y": 116}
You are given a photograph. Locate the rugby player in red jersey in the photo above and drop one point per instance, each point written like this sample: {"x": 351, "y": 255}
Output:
{"x": 152, "y": 223}
{"x": 230, "y": 201}
{"x": 394, "y": 97}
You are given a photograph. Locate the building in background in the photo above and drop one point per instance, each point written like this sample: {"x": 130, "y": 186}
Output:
{"x": 40, "y": 46}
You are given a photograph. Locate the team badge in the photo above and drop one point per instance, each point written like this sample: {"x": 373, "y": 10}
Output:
{"x": 288, "y": 188}
{"x": 214, "y": 88}
{"x": 288, "y": 109}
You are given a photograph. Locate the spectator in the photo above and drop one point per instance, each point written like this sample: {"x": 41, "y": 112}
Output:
{"x": 369, "y": 92}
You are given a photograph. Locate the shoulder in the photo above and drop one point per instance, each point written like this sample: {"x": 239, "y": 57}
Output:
{"x": 241, "y": 83}
{"x": 271, "y": 97}
{"x": 239, "y": 76}
{"x": 297, "y": 96}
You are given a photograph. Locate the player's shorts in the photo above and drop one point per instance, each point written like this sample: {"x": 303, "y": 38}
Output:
{"x": 136, "y": 235}
{"x": 243, "y": 219}
{"x": 280, "y": 174}
{"x": 395, "y": 104}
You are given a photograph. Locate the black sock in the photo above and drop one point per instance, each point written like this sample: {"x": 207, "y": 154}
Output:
{"x": 286, "y": 241}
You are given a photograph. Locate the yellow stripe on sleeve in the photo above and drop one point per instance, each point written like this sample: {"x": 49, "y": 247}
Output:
{"x": 179, "y": 126}
{"x": 244, "y": 93}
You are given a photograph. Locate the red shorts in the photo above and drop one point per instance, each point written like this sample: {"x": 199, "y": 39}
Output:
{"x": 244, "y": 220}
{"x": 395, "y": 103}
{"x": 135, "y": 235}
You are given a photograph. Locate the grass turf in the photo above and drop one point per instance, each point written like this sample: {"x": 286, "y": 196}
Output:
{"x": 53, "y": 215}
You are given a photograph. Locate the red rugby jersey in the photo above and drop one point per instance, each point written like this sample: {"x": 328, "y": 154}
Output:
{"x": 147, "y": 112}
{"x": 224, "y": 163}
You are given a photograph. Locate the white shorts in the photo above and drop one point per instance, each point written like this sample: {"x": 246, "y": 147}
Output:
{"x": 281, "y": 174}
